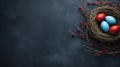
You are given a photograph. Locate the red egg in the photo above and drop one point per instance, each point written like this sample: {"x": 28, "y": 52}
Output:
{"x": 114, "y": 29}
{"x": 100, "y": 17}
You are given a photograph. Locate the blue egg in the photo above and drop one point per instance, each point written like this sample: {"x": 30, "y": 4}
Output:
{"x": 110, "y": 20}
{"x": 104, "y": 26}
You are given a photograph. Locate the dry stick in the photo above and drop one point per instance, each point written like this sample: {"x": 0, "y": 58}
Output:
{"x": 83, "y": 25}
{"x": 84, "y": 14}
{"x": 72, "y": 33}
{"x": 101, "y": 2}
{"x": 93, "y": 3}
{"x": 78, "y": 29}
{"x": 85, "y": 33}
{"x": 94, "y": 50}
{"x": 113, "y": 52}
{"x": 86, "y": 17}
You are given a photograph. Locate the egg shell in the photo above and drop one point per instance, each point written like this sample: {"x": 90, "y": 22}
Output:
{"x": 104, "y": 26}
{"x": 100, "y": 17}
{"x": 114, "y": 29}
{"x": 110, "y": 20}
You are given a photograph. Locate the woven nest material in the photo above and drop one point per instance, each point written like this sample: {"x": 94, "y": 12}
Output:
{"x": 93, "y": 26}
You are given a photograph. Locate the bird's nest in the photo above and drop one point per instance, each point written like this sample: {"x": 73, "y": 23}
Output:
{"x": 91, "y": 35}
{"x": 93, "y": 26}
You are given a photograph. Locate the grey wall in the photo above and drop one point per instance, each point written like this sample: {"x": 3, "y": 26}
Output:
{"x": 34, "y": 33}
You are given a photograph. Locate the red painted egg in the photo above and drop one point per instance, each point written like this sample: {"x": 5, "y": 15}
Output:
{"x": 100, "y": 17}
{"x": 114, "y": 29}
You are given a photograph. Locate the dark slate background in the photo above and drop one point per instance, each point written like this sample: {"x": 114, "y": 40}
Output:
{"x": 35, "y": 33}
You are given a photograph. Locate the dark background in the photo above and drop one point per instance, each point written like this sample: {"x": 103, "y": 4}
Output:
{"x": 35, "y": 33}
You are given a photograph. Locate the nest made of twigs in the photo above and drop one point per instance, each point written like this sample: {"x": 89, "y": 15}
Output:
{"x": 93, "y": 26}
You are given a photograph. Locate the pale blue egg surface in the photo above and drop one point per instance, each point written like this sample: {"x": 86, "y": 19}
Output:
{"x": 110, "y": 20}
{"x": 104, "y": 26}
